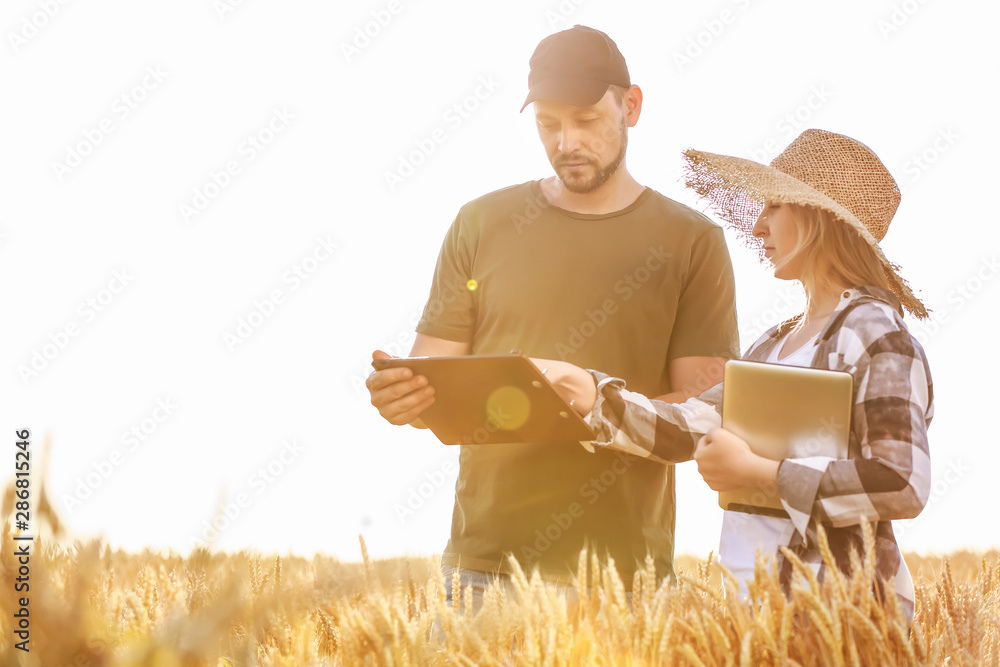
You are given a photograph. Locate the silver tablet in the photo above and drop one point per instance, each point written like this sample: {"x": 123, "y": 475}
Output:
{"x": 784, "y": 411}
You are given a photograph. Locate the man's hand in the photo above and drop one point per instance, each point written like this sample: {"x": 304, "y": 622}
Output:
{"x": 399, "y": 395}
{"x": 726, "y": 462}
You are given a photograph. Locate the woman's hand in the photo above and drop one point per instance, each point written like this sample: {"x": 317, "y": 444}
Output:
{"x": 574, "y": 384}
{"x": 726, "y": 462}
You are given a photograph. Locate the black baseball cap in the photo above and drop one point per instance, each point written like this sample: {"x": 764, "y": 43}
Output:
{"x": 575, "y": 66}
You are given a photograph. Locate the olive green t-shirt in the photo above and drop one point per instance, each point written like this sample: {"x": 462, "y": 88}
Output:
{"x": 624, "y": 293}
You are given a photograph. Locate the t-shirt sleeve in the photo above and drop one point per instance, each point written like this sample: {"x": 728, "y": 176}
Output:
{"x": 706, "y": 311}
{"x": 450, "y": 312}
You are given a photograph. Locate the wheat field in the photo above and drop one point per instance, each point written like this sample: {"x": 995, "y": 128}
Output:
{"x": 92, "y": 606}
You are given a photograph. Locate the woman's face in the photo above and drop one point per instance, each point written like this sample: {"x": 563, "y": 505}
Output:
{"x": 777, "y": 228}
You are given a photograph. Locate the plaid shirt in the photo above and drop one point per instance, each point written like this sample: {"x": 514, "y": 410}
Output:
{"x": 887, "y": 473}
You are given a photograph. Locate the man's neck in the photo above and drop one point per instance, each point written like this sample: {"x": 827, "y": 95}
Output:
{"x": 617, "y": 193}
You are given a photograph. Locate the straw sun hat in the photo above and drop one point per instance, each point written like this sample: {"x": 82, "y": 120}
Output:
{"x": 819, "y": 169}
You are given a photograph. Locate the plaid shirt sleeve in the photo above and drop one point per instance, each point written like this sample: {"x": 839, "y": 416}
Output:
{"x": 889, "y": 475}
{"x": 664, "y": 432}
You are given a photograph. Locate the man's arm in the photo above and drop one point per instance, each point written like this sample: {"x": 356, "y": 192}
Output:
{"x": 705, "y": 331}
{"x": 691, "y": 376}
{"x": 401, "y": 396}
{"x": 431, "y": 346}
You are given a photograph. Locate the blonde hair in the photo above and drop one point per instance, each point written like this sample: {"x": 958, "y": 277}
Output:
{"x": 830, "y": 252}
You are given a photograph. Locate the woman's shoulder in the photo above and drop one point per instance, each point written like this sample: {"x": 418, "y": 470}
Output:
{"x": 871, "y": 313}
{"x": 872, "y": 321}
{"x": 869, "y": 317}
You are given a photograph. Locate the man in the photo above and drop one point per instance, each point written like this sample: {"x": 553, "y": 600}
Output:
{"x": 590, "y": 267}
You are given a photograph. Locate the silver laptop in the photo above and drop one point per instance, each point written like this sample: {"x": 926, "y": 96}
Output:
{"x": 784, "y": 411}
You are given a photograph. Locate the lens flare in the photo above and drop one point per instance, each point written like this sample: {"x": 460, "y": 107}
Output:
{"x": 508, "y": 408}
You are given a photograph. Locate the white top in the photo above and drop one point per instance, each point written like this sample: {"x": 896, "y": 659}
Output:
{"x": 800, "y": 357}
{"x": 744, "y": 534}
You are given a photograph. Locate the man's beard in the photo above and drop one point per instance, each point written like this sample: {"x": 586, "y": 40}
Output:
{"x": 582, "y": 184}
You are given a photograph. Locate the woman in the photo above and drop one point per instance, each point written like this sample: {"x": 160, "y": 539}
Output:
{"x": 817, "y": 214}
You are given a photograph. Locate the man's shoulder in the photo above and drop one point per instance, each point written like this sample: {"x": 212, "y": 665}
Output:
{"x": 510, "y": 196}
{"x": 679, "y": 213}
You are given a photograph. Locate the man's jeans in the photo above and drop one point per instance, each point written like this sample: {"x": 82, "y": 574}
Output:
{"x": 475, "y": 582}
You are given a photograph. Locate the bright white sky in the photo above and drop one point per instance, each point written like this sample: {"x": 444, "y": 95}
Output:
{"x": 167, "y": 166}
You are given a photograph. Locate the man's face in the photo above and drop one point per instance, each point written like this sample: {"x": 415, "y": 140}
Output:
{"x": 585, "y": 145}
